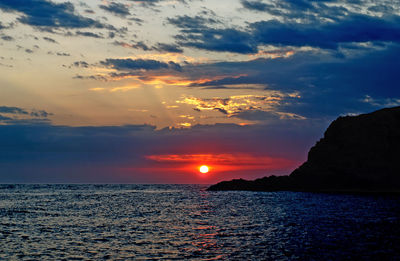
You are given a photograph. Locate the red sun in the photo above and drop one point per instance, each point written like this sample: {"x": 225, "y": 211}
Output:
{"x": 204, "y": 169}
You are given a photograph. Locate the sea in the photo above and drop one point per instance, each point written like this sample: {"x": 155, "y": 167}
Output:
{"x": 186, "y": 222}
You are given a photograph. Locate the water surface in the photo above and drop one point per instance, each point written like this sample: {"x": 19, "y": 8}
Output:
{"x": 120, "y": 222}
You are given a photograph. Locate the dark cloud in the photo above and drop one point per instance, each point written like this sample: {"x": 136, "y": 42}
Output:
{"x": 89, "y": 11}
{"x": 138, "y": 21}
{"x": 62, "y": 54}
{"x": 137, "y": 45}
{"x": 23, "y": 112}
{"x": 48, "y": 39}
{"x": 7, "y": 38}
{"x": 138, "y": 64}
{"x": 111, "y": 35}
{"x": 159, "y": 47}
{"x": 40, "y": 113}
{"x": 381, "y": 8}
{"x": 152, "y": 3}
{"x": 21, "y": 116}
{"x": 25, "y": 121}
{"x": 116, "y": 9}
{"x": 192, "y": 24}
{"x": 309, "y": 10}
{"x": 197, "y": 32}
{"x": 312, "y": 84}
{"x": 81, "y": 64}
{"x": 58, "y": 53}
{"x": 169, "y": 48}
{"x": 354, "y": 28}
{"x": 12, "y": 110}
{"x": 141, "y": 45}
{"x": 255, "y": 5}
{"x": 4, "y": 118}
{"x": 91, "y": 77}
{"x": 42, "y": 13}
{"x": 220, "y": 40}
{"x": 146, "y": 2}
{"x": 89, "y": 34}
{"x": 333, "y": 84}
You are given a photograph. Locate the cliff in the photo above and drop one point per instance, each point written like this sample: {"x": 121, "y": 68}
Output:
{"x": 357, "y": 153}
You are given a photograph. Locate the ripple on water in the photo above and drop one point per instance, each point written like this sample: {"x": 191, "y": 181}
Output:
{"x": 119, "y": 222}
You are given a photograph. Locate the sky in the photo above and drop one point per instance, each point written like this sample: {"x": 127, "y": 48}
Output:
{"x": 146, "y": 91}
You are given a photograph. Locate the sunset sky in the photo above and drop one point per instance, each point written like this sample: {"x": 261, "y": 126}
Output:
{"x": 146, "y": 91}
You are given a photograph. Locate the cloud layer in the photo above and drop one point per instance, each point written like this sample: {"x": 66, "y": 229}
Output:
{"x": 247, "y": 81}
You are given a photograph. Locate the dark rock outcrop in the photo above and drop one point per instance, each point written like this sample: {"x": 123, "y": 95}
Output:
{"x": 357, "y": 153}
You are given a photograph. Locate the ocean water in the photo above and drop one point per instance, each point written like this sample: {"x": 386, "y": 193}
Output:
{"x": 153, "y": 222}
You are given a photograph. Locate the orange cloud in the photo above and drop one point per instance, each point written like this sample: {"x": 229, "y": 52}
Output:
{"x": 234, "y": 105}
{"x": 274, "y": 54}
{"x": 182, "y": 81}
{"x": 220, "y": 162}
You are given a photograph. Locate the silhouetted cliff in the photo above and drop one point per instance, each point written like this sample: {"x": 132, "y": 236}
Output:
{"x": 357, "y": 153}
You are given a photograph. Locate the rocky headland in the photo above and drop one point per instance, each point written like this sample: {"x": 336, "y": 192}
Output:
{"x": 357, "y": 153}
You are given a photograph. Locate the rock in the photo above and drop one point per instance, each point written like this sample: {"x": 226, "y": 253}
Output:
{"x": 357, "y": 153}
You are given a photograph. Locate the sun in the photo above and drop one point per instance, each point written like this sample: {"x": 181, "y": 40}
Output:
{"x": 204, "y": 169}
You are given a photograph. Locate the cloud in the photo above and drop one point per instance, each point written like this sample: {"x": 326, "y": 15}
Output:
{"x": 138, "y": 45}
{"x": 62, "y": 54}
{"x": 169, "y": 48}
{"x": 351, "y": 29}
{"x": 7, "y": 38}
{"x": 309, "y": 10}
{"x": 116, "y": 9}
{"x": 197, "y": 32}
{"x": 255, "y": 5}
{"x": 192, "y": 24}
{"x": 220, "y": 40}
{"x": 21, "y": 116}
{"x": 4, "y": 118}
{"x": 40, "y": 113}
{"x": 152, "y": 3}
{"x": 248, "y": 107}
{"x": 42, "y": 13}
{"x": 159, "y": 47}
{"x": 58, "y": 53}
{"x": 327, "y": 84}
{"x": 82, "y": 64}
{"x": 89, "y": 34}
{"x": 146, "y": 2}
{"x": 12, "y": 110}
{"x": 48, "y": 153}
{"x": 219, "y": 162}
{"x": 138, "y": 21}
{"x": 48, "y": 39}
{"x": 91, "y": 77}
{"x": 333, "y": 82}
{"x": 138, "y": 64}
{"x": 382, "y": 102}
